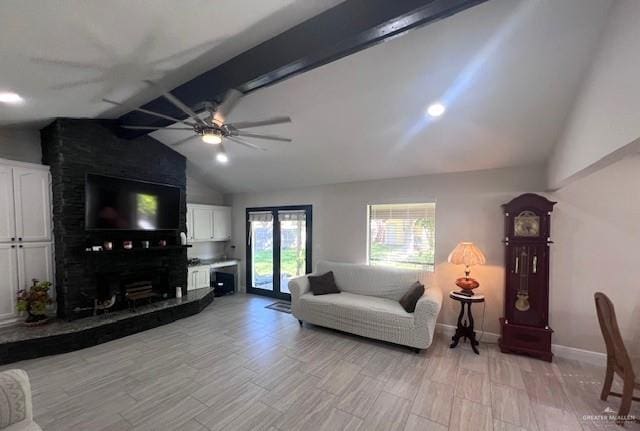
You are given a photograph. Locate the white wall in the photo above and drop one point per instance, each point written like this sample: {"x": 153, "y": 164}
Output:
{"x": 605, "y": 117}
{"x": 20, "y": 144}
{"x": 467, "y": 209}
{"x": 596, "y": 230}
{"x": 199, "y": 192}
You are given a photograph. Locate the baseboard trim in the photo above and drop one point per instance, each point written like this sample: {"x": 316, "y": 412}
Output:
{"x": 588, "y": 356}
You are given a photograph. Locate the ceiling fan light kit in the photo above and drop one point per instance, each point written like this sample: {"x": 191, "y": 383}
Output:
{"x": 213, "y": 129}
{"x": 212, "y": 137}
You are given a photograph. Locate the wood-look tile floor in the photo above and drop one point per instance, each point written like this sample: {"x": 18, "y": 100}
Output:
{"x": 240, "y": 366}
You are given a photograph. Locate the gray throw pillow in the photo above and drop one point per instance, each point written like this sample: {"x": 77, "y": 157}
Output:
{"x": 323, "y": 284}
{"x": 410, "y": 299}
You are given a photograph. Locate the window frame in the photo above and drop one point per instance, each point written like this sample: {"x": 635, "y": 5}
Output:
{"x": 429, "y": 267}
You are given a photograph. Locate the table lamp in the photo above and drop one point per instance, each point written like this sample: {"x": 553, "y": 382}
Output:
{"x": 466, "y": 254}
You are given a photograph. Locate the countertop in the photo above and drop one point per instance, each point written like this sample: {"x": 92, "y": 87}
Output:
{"x": 217, "y": 263}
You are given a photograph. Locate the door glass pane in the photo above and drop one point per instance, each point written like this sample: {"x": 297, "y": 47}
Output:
{"x": 262, "y": 254}
{"x": 293, "y": 240}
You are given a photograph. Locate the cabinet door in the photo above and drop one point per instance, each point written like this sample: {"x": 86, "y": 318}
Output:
{"x": 32, "y": 206}
{"x": 202, "y": 224}
{"x": 34, "y": 262}
{"x": 8, "y": 281}
{"x": 191, "y": 279}
{"x": 222, "y": 223}
{"x": 203, "y": 278}
{"x": 7, "y": 216}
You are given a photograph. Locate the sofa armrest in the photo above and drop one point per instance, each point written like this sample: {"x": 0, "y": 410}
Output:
{"x": 427, "y": 310}
{"x": 16, "y": 402}
{"x": 298, "y": 286}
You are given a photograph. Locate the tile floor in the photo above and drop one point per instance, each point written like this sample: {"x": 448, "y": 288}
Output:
{"x": 240, "y": 366}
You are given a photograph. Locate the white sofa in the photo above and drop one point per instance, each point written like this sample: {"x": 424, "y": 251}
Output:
{"x": 16, "y": 409}
{"x": 368, "y": 303}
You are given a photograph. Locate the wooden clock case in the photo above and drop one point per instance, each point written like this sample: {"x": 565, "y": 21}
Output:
{"x": 525, "y": 325}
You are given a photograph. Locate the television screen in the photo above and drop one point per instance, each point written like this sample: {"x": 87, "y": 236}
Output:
{"x": 121, "y": 204}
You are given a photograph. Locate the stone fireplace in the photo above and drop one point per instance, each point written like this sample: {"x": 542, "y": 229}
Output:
{"x": 74, "y": 148}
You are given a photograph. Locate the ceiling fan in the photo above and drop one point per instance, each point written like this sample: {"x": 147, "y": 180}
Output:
{"x": 213, "y": 128}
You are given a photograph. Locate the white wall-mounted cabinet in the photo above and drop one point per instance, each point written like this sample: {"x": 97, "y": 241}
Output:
{"x": 25, "y": 213}
{"x": 26, "y": 250}
{"x": 198, "y": 277}
{"x": 208, "y": 223}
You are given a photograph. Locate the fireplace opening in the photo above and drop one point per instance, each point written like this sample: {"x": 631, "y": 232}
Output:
{"x": 117, "y": 291}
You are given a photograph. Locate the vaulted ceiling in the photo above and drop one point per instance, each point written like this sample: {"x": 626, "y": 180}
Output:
{"x": 64, "y": 57}
{"x": 507, "y": 71}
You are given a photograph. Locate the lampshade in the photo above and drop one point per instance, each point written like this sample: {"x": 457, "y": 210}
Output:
{"x": 466, "y": 253}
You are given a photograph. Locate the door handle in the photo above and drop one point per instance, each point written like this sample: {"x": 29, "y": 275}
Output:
{"x": 13, "y": 239}
{"x": 19, "y": 239}
{"x": 13, "y": 246}
{"x": 20, "y": 246}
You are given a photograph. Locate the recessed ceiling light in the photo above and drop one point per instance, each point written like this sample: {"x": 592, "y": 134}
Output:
{"x": 8, "y": 97}
{"x": 436, "y": 109}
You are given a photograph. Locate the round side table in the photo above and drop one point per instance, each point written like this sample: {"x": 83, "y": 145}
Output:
{"x": 465, "y": 323}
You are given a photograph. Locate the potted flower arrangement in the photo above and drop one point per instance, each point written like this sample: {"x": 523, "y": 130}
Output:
{"x": 34, "y": 301}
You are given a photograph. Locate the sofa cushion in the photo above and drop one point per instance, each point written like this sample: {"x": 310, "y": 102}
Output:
{"x": 383, "y": 282}
{"x": 410, "y": 299}
{"x": 323, "y": 284}
{"x": 356, "y": 311}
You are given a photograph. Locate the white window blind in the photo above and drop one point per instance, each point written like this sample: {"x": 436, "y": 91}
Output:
{"x": 265, "y": 216}
{"x": 292, "y": 215}
{"x": 402, "y": 235}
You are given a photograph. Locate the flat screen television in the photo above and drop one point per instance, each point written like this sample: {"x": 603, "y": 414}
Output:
{"x": 123, "y": 204}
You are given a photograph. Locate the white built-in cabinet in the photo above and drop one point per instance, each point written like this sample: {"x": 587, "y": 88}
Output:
{"x": 26, "y": 250}
{"x": 198, "y": 277}
{"x": 208, "y": 223}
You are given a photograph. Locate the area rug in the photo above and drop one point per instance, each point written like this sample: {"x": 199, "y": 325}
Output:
{"x": 285, "y": 307}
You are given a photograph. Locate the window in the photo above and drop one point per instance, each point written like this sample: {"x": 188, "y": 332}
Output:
{"x": 402, "y": 235}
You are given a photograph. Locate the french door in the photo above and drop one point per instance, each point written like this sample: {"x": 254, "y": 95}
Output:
{"x": 278, "y": 248}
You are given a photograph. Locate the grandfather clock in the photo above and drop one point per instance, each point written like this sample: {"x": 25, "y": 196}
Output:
{"x": 525, "y": 325}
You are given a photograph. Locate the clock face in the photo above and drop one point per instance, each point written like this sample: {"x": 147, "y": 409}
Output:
{"x": 526, "y": 224}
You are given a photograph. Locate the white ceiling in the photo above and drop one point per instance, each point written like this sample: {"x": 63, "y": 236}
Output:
{"x": 118, "y": 43}
{"x": 507, "y": 70}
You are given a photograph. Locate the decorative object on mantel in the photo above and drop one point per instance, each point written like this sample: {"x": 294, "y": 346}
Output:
{"x": 162, "y": 243}
{"x": 466, "y": 254}
{"x": 525, "y": 325}
{"x": 108, "y": 245}
{"x": 145, "y": 244}
{"x": 183, "y": 238}
{"x": 127, "y": 245}
{"x": 179, "y": 292}
{"x": 34, "y": 301}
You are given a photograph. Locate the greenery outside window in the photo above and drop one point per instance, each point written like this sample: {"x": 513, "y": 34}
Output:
{"x": 402, "y": 235}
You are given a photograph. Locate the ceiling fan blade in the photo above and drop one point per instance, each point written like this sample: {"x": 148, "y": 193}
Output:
{"x": 79, "y": 83}
{"x": 155, "y": 128}
{"x": 67, "y": 63}
{"x": 256, "y": 136}
{"x": 267, "y": 122}
{"x": 246, "y": 144}
{"x": 183, "y": 141}
{"x": 156, "y": 114}
{"x": 230, "y": 101}
{"x": 178, "y": 103}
